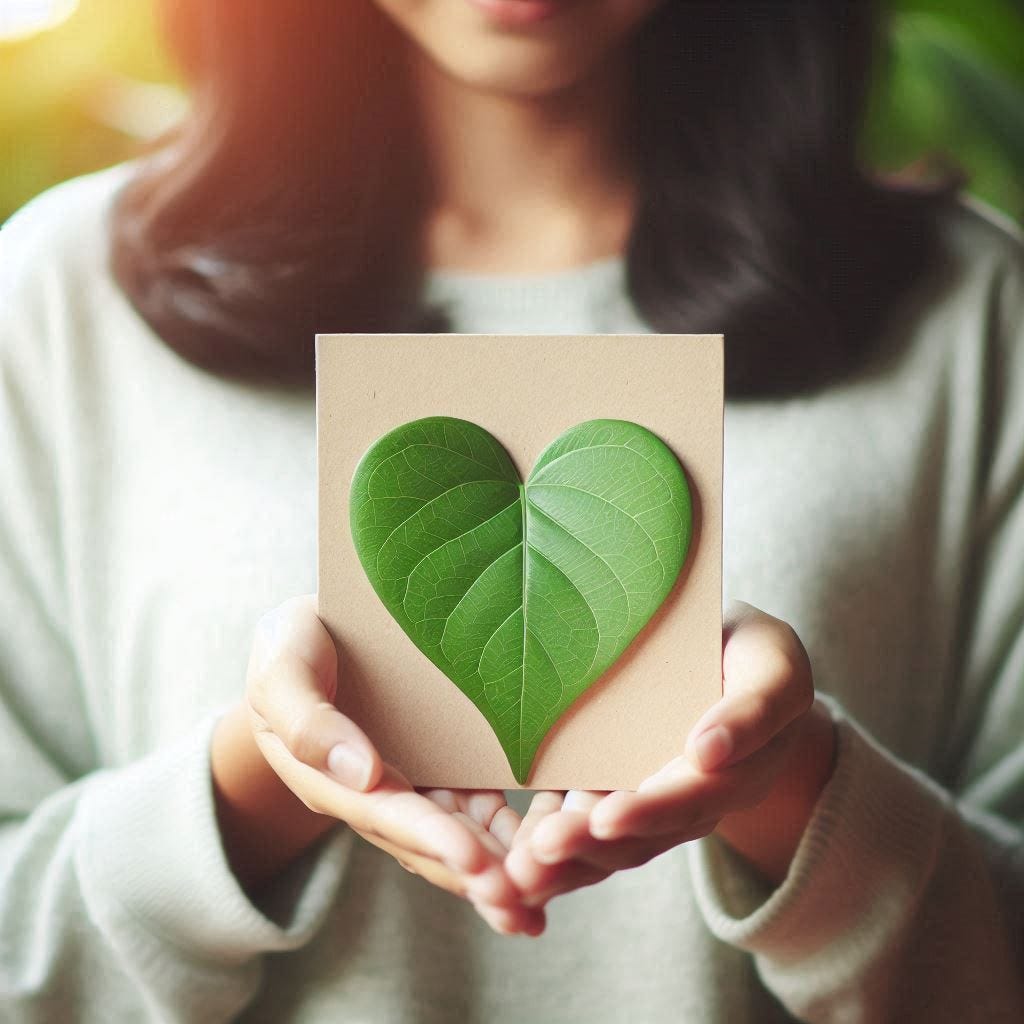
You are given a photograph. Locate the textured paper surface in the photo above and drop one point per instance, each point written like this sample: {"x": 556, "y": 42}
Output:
{"x": 525, "y": 390}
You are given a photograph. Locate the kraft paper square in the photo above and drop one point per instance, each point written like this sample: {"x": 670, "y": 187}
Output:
{"x": 525, "y": 390}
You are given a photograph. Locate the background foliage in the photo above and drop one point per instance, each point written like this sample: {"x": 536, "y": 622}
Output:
{"x": 951, "y": 89}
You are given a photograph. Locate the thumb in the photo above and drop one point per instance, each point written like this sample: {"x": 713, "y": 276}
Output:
{"x": 767, "y": 684}
{"x": 295, "y": 628}
{"x": 292, "y": 683}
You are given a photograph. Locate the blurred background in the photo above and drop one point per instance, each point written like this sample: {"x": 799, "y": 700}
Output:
{"x": 84, "y": 82}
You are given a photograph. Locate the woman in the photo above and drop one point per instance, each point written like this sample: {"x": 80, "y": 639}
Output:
{"x": 170, "y": 848}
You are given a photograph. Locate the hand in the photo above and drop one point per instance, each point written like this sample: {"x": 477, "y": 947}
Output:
{"x": 752, "y": 769}
{"x": 329, "y": 771}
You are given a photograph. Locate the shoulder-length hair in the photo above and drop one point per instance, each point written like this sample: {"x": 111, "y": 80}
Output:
{"x": 289, "y": 200}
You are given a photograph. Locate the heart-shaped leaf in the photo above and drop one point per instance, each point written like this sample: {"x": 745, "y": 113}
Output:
{"x": 523, "y": 595}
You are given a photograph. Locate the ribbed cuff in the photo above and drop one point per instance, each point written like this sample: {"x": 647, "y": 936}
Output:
{"x": 860, "y": 865}
{"x": 149, "y": 854}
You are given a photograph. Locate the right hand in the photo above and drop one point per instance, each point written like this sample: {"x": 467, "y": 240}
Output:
{"x": 455, "y": 839}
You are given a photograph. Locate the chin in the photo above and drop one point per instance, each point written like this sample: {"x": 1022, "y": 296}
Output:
{"x": 471, "y": 45}
{"x": 522, "y": 75}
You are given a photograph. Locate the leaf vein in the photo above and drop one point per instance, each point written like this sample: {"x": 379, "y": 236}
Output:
{"x": 618, "y": 508}
{"x": 469, "y": 590}
{"x": 551, "y": 519}
{"x": 425, "y": 505}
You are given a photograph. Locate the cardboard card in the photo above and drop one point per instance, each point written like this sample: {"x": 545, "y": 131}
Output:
{"x": 525, "y": 390}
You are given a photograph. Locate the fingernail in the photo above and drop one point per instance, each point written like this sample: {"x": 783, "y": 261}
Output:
{"x": 348, "y": 767}
{"x": 713, "y": 746}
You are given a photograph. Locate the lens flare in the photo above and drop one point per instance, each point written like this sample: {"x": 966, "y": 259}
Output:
{"x": 21, "y": 18}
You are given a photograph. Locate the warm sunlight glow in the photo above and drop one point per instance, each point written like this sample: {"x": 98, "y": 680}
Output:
{"x": 20, "y": 18}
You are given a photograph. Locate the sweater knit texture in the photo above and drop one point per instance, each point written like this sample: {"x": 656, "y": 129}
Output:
{"x": 151, "y": 512}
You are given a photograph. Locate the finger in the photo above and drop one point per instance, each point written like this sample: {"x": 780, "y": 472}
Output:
{"x": 507, "y": 921}
{"x": 528, "y": 874}
{"x": 495, "y": 831}
{"x": 391, "y": 810}
{"x": 557, "y": 831}
{"x": 581, "y": 800}
{"x": 571, "y": 876}
{"x": 418, "y": 823}
{"x": 491, "y": 885}
{"x": 672, "y": 790}
{"x": 632, "y": 852}
{"x": 679, "y": 798}
{"x": 505, "y": 825}
{"x": 555, "y": 838}
{"x": 287, "y": 699}
{"x": 491, "y": 811}
{"x": 568, "y": 836}
{"x": 523, "y": 868}
{"x": 767, "y": 684}
{"x": 480, "y": 804}
{"x": 291, "y": 678}
{"x": 295, "y": 625}
{"x": 544, "y": 802}
{"x": 293, "y": 667}
{"x": 487, "y": 840}
{"x": 539, "y": 882}
{"x": 444, "y": 798}
{"x": 426, "y": 867}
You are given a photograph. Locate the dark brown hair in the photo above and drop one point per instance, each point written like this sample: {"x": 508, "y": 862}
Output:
{"x": 288, "y": 201}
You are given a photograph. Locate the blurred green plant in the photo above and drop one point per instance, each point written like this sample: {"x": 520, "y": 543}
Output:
{"x": 81, "y": 96}
{"x": 951, "y": 85}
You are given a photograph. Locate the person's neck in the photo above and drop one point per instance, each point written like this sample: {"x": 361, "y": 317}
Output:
{"x": 526, "y": 184}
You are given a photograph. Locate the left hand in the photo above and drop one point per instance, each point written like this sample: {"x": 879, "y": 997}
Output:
{"x": 751, "y": 771}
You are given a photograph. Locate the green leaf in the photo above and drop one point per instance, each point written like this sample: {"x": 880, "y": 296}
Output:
{"x": 523, "y": 595}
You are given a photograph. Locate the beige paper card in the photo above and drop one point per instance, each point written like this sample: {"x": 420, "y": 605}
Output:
{"x": 525, "y": 390}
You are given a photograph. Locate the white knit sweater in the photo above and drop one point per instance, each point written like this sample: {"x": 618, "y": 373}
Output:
{"x": 151, "y": 512}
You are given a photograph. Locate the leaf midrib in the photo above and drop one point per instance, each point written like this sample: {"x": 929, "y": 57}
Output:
{"x": 526, "y": 590}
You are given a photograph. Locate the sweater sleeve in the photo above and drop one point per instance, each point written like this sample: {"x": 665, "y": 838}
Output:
{"x": 116, "y": 899}
{"x": 905, "y": 899}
